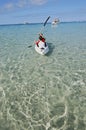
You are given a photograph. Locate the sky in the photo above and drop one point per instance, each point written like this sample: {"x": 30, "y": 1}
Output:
{"x": 36, "y": 11}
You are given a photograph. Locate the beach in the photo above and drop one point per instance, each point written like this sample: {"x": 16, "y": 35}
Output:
{"x": 43, "y": 92}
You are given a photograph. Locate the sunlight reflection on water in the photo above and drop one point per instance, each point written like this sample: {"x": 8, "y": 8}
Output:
{"x": 42, "y": 92}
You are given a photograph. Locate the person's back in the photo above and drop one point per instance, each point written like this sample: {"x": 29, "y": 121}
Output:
{"x": 41, "y": 38}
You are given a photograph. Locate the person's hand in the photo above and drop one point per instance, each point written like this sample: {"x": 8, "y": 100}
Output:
{"x": 34, "y": 41}
{"x": 40, "y": 34}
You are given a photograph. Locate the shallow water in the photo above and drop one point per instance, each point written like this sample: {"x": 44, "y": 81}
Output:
{"x": 43, "y": 92}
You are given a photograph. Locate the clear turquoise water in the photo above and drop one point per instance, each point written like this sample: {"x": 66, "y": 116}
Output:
{"x": 43, "y": 92}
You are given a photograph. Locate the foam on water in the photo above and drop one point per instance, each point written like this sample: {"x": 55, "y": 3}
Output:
{"x": 43, "y": 92}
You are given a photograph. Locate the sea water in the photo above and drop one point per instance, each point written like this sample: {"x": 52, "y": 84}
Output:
{"x": 43, "y": 92}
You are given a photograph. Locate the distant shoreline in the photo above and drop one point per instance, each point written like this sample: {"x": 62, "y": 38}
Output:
{"x": 41, "y": 23}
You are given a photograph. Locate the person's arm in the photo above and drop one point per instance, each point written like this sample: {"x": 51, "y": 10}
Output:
{"x": 37, "y": 42}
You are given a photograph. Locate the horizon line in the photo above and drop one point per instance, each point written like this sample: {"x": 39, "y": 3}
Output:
{"x": 41, "y": 22}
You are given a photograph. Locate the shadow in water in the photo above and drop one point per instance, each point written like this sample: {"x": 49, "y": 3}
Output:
{"x": 51, "y": 48}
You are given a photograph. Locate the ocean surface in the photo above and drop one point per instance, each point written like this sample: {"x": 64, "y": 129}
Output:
{"x": 43, "y": 92}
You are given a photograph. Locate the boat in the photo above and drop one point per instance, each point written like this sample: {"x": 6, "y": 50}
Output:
{"x": 25, "y": 22}
{"x": 55, "y": 22}
{"x": 42, "y": 49}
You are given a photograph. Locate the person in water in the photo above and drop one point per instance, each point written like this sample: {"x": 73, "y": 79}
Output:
{"x": 41, "y": 38}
